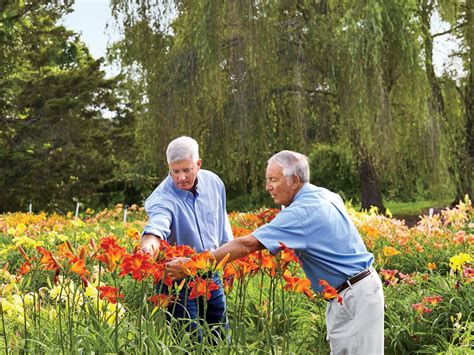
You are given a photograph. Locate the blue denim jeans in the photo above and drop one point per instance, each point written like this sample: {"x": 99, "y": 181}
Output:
{"x": 193, "y": 309}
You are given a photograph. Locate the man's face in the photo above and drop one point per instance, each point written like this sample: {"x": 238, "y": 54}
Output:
{"x": 278, "y": 185}
{"x": 184, "y": 173}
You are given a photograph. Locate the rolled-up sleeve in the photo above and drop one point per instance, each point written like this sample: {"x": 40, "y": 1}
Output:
{"x": 286, "y": 228}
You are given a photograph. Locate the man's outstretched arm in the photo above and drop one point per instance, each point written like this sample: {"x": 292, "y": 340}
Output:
{"x": 236, "y": 248}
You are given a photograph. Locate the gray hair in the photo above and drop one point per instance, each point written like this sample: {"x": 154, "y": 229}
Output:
{"x": 292, "y": 163}
{"x": 182, "y": 148}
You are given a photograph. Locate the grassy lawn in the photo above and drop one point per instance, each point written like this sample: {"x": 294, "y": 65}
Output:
{"x": 415, "y": 208}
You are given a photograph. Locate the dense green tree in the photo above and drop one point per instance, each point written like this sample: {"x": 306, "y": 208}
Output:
{"x": 55, "y": 144}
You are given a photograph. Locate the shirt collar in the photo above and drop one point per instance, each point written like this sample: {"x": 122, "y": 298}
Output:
{"x": 301, "y": 191}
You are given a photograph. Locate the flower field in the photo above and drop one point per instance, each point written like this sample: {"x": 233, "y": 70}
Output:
{"x": 81, "y": 285}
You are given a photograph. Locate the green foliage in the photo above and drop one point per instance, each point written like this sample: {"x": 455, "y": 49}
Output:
{"x": 335, "y": 168}
{"x": 56, "y": 146}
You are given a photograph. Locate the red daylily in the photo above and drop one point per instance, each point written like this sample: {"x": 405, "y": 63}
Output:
{"x": 109, "y": 293}
{"x": 421, "y": 308}
{"x": 432, "y": 300}
{"x": 25, "y": 268}
{"x": 113, "y": 252}
{"x": 139, "y": 265}
{"x": 200, "y": 287}
{"x": 177, "y": 251}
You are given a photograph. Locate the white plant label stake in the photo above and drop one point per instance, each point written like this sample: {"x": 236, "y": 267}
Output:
{"x": 77, "y": 210}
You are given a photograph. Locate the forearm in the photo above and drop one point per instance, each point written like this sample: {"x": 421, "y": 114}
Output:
{"x": 238, "y": 248}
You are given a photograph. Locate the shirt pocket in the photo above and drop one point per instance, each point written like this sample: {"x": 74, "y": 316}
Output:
{"x": 211, "y": 223}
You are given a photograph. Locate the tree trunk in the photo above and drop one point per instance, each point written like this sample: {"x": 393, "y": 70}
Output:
{"x": 370, "y": 190}
{"x": 467, "y": 164}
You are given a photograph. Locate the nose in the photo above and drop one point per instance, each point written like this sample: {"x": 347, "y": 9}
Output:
{"x": 268, "y": 186}
{"x": 181, "y": 177}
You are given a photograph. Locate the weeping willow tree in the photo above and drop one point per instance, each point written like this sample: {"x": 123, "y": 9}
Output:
{"x": 241, "y": 77}
{"x": 249, "y": 78}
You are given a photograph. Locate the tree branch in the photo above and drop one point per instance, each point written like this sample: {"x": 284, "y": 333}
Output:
{"x": 450, "y": 30}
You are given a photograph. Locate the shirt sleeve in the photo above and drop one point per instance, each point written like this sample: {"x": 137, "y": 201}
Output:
{"x": 227, "y": 235}
{"x": 159, "y": 221}
{"x": 285, "y": 228}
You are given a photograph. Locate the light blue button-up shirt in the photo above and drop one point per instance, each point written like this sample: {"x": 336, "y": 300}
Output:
{"x": 316, "y": 225}
{"x": 183, "y": 218}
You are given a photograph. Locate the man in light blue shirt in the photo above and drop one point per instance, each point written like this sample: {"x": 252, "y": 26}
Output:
{"x": 316, "y": 226}
{"x": 189, "y": 208}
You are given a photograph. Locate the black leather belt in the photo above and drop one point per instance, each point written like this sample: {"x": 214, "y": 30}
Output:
{"x": 353, "y": 280}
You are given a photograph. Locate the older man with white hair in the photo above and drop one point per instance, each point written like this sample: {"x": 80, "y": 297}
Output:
{"x": 315, "y": 224}
{"x": 189, "y": 208}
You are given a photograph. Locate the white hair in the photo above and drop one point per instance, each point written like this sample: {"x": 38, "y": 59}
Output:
{"x": 182, "y": 148}
{"x": 292, "y": 163}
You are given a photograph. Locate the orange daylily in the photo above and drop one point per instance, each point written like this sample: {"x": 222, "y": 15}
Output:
{"x": 161, "y": 300}
{"x": 432, "y": 266}
{"x": 48, "y": 260}
{"x": 65, "y": 251}
{"x": 287, "y": 255}
{"x": 268, "y": 263}
{"x": 78, "y": 266}
{"x": 329, "y": 292}
{"x": 203, "y": 263}
{"x": 297, "y": 285}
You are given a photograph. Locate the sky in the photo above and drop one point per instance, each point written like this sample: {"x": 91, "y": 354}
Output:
{"x": 90, "y": 19}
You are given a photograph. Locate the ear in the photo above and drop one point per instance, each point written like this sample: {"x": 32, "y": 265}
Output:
{"x": 295, "y": 181}
{"x": 198, "y": 163}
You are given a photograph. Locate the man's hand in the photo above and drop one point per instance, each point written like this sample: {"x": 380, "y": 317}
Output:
{"x": 150, "y": 244}
{"x": 174, "y": 269}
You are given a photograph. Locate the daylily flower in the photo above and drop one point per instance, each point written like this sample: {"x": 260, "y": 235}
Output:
{"x": 432, "y": 266}
{"x": 203, "y": 263}
{"x": 139, "y": 265}
{"x": 25, "y": 268}
{"x": 113, "y": 252}
{"x": 421, "y": 308}
{"x": 432, "y": 300}
{"x": 268, "y": 263}
{"x": 456, "y": 262}
{"x": 109, "y": 293}
{"x": 200, "y": 287}
{"x": 390, "y": 251}
{"x": 161, "y": 300}
{"x": 297, "y": 285}
{"x": 287, "y": 255}
{"x": 48, "y": 260}
{"x": 329, "y": 292}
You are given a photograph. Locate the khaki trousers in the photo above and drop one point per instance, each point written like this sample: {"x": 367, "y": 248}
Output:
{"x": 357, "y": 326}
